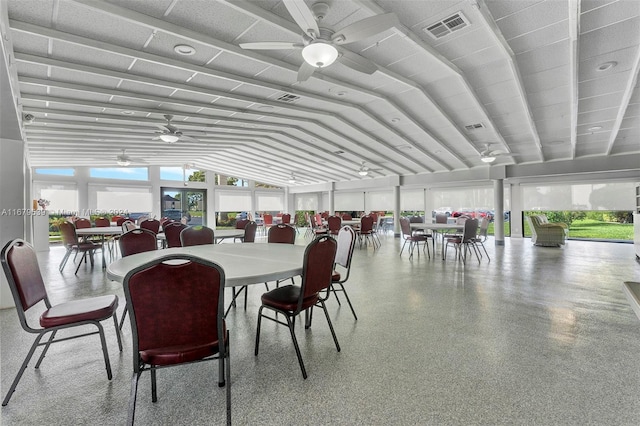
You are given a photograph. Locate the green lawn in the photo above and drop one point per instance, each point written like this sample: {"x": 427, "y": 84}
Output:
{"x": 586, "y": 228}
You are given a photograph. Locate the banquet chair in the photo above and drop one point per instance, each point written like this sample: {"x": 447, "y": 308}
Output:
{"x": 172, "y": 234}
{"x": 196, "y": 236}
{"x": 346, "y": 216}
{"x": 414, "y": 239}
{"x": 315, "y": 226}
{"x": 21, "y": 269}
{"x": 102, "y": 222}
{"x": 250, "y": 232}
{"x": 115, "y": 218}
{"x": 176, "y": 305}
{"x": 291, "y": 300}
{"x": 138, "y": 240}
{"x": 267, "y": 222}
{"x": 441, "y": 218}
{"x": 464, "y": 242}
{"x": 152, "y": 225}
{"x": 286, "y": 219}
{"x": 240, "y": 224}
{"x": 365, "y": 232}
{"x": 281, "y": 234}
{"x": 81, "y": 223}
{"x": 122, "y": 220}
{"x": 73, "y": 244}
{"x": 482, "y": 236}
{"x": 342, "y": 266}
{"x": 334, "y": 223}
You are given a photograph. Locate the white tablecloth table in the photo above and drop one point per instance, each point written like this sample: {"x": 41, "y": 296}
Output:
{"x": 102, "y": 231}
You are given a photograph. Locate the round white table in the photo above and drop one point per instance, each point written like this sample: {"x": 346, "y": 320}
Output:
{"x": 221, "y": 234}
{"x": 243, "y": 264}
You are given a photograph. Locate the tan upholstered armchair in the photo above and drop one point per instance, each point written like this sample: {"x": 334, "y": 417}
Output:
{"x": 544, "y": 233}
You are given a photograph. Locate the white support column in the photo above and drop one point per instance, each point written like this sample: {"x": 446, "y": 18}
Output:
{"x": 517, "y": 226}
{"x": 396, "y": 211}
{"x": 156, "y": 201}
{"x": 332, "y": 206}
{"x": 498, "y": 221}
{"x": 14, "y": 205}
{"x": 82, "y": 182}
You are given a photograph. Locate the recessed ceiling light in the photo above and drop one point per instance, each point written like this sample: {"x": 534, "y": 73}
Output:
{"x": 607, "y": 66}
{"x": 592, "y": 128}
{"x": 127, "y": 112}
{"x": 341, "y": 93}
{"x": 395, "y": 120}
{"x": 184, "y": 49}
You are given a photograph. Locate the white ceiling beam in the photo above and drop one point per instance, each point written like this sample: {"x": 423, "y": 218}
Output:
{"x": 574, "y": 51}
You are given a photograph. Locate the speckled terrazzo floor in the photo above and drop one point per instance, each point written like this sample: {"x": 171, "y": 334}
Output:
{"x": 537, "y": 336}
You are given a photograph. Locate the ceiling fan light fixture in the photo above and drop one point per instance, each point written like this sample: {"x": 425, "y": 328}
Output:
{"x": 169, "y": 138}
{"x": 320, "y": 54}
{"x": 292, "y": 178}
{"x": 363, "y": 172}
{"x": 124, "y": 163}
{"x": 488, "y": 159}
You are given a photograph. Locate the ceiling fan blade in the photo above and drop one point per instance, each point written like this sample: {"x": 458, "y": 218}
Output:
{"x": 189, "y": 138}
{"x": 357, "y": 62}
{"x": 305, "y": 71}
{"x": 303, "y": 16}
{"x": 271, "y": 45}
{"x": 365, "y": 28}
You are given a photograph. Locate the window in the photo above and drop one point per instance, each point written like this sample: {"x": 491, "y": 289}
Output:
{"x": 412, "y": 200}
{"x": 269, "y": 202}
{"x": 379, "y": 201}
{"x": 231, "y": 181}
{"x": 233, "y": 201}
{"x": 63, "y": 198}
{"x": 178, "y": 173}
{"x": 349, "y": 201}
{"x": 595, "y": 196}
{"x": 124, "y": 173}
{"x": 56, "y": 172}
{"x": 117, "y": 198}
{"x": 306, "y": 202}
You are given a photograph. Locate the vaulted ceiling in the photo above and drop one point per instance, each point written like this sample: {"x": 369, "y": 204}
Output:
{"x": 539, "y": 81}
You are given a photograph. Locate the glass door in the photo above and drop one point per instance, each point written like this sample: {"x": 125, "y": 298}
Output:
{"x": 187, "y": 203}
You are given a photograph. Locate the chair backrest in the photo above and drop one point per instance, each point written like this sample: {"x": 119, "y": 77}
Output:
{"x": 141, "y": 219}
{"x": 317, "y": 268}
{"x": 82, "y": 222}
{"x": 20, "y": 266}
{"x": 250, "y": 232}
{"x": 122, "y": 220}
{"x": 441, "y": 218}
{"x": 115, "y": 219}
{"x": 318, "y": 220}
{"x": 346, "y": 216}
{"x": 164, "y": 220}
{"x": 346, "y": 245}
{"x": 375, "y": 218}
{"x": 196, "y": 236}
{"x": 68, "y": 231}
{"x": 484, "y": 226}
{"x": 152, "y": 225}
{"x": 366, "y": 224}
{"x": 470, "y": 230}
{"x": 286, "y": 219}
{"x": 128, "y": 225}
{"x": 241, "y": 223}
{"x": 102, "y": 222}
{"x": 281, "y": 233}
{"x": 334, "y": 224}
{"x": 405, "y": 226}
{"x": 136, "y": 241}
{"x": 416, "y": 219}
{"x": 461, "y": 220}
{"x": 172, "y": 234}
{"x": 175, "y": 304}
{"x": 267, "y": 219}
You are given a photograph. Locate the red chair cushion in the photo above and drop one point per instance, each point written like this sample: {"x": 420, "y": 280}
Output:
{"x": 94, "y": 308}
{"x": 178, "y": 354}
{"x": 335, "y": 276}
{"x": 286, "y": 298}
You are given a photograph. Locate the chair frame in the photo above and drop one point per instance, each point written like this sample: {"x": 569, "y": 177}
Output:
{"x": 413, "y": 239}
{"x": 465, "y": 242}
{"x": 344, "y": 254}
{"x": 197, "y": 235}
{"x": 290, "y": 315}
{"x": 169, "y": 237}
{"x": 27, "y": 300}
{"x": 77, "y": 246}
{"x": 223, "y": 354}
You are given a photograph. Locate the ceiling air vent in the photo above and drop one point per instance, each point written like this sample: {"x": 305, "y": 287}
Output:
{"x": 471, "y": 127}
{"x": 447, "y": 26}
{"x": 288, "y": 98}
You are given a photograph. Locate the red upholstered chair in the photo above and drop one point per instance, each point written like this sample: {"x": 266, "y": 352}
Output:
{"x": 414, "y": 239}
{"x": 334, "y": 223}
{"x": 286, "y": 219}
{"x": 292, "y": 300}
{"x": 172, "y": 234}
{"x": 102, "y": 222}
{"x": 165, "y": 220}
{"x": 20, "y": 266}
{"x": 365, "y": 232}
{"x": 176, "y": 319}
{"x": 152, "y": 225}
{"x": 346, "y": 216}
{"x": 122, "y": 220}
{"x": 82, "y": 222}
{"x": 241, "y": 223}
{"x": 342, "y": 267}
{"x": 196, "y": 236}
{"x": 72, "y": 244}
{"x": 250, "y": 232}
{"x": 115, "y": 219}
{"x": 281, "y": 233}
{"x": 137, "y": 241}
{"x": 465, "y": 242}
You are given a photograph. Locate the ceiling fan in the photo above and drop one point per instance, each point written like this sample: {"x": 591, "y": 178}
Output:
{"x": 321, "y": 44}
{"x": 170, "y": 133}
{"x": 364, "y": 170}
{"x": 124, "y": 160}
{"x": 489, "y": 156}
